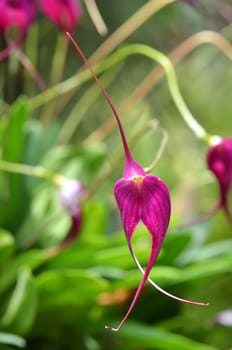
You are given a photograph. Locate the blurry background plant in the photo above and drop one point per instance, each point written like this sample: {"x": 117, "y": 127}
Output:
{"x": 63, "y": 301}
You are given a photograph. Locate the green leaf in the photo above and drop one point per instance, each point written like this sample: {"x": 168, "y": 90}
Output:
{"x": 78, "y": 162}
{"x": 14, "y": 142}
{"x": 9, "y": 273}
{"x": 70, "y": 287}
{"x": 158, "y": 339}
{"x": 209, "y": 251}
{"x": 13, "y": 187}
{"x": 12, "y": 339}
{"x": 21, "y": 309}
{"x": 7, "y": 245}
{"x": 174, "y": 245}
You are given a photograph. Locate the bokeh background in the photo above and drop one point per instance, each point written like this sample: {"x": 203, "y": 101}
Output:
{"x": 62, "y": 300}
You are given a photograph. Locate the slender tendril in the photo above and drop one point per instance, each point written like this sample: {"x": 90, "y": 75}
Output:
{"x": 96, "y": 17}
{"x": 149, "y": 82}
{"x": 173, "y": 87}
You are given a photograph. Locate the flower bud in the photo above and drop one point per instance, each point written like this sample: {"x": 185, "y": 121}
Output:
{"x": 16, "y": 13}
{"x": 71, "y": 196}
{"x": 64, "y": 13}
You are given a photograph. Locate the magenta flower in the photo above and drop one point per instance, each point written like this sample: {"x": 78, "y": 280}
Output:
{"x": 64, "y": 13}
{"x": 219, "y": 159}
{"x": 72, "y": 194}
{"x": 140, "y": 197}
{"x": 19, "y": 14}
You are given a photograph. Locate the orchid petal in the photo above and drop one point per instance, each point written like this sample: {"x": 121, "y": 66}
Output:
{"x": 155, "y": 204}
{"x": 128, "y": 200}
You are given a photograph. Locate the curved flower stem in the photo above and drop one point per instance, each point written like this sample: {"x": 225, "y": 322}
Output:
{"x": 36, "y": 171}
{"x": 121, "y": 54}
{"x": 173, "y": 87}
{"x": 75, "y": 81}
{"x": 80, "y": 78}
{"x": 127, "y": 152}
{"x": 167, "y": 65}
{"x": 178, "y": 54}
{"x": 155, "y": 125}
{"x": 80, "y": 109}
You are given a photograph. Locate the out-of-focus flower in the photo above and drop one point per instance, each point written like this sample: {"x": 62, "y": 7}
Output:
{"x": 219, "y": 159}
{"x": 63, "y": 13}
{"x": 16, "y": 13}
{"x": 224, "y": 318}
{"x": 71, "y": 196}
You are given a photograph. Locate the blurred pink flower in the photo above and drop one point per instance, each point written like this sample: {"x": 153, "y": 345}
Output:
{"x": 19, "y": 14}
{"x": 16, "y": 13}
{"x": 219, "y": 159}
{"x": 72, "y": 194}
{"x": 63, "y": 13}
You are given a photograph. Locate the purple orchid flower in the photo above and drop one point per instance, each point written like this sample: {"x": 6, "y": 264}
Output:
{"x": 219, "y": 159}
{"x": 19, "y": 14}
{"x": 140, "y": 197}
{"x": 64, "y": 13}
{"x": 72, "y": 194}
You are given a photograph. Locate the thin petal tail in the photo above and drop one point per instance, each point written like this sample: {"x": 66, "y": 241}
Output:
{"x": 150, "y": 263}
{"x": 159, "y": 288}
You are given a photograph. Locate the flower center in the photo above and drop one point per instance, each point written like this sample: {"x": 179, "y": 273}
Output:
{"x": 138, "y": 179}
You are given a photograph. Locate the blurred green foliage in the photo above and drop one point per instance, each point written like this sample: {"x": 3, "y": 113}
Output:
{"x": 63, "y": 301}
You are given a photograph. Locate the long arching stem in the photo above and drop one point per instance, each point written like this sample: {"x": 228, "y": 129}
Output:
{"x": 173, "y": 87}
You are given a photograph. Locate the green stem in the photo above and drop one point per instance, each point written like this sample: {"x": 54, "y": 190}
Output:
{"x": 36, "y": 171}
{"x": 77, "y": 80}
{"x": 173, "y": 88}
{"x": 112, "y": 60}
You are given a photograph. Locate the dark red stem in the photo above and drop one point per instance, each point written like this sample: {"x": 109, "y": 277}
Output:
{"x": 116, "y": 115}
